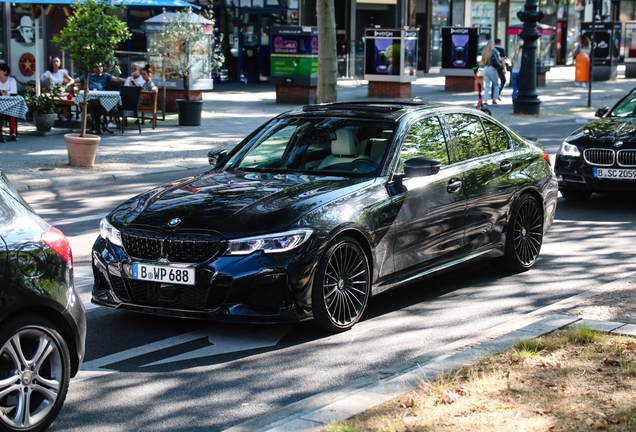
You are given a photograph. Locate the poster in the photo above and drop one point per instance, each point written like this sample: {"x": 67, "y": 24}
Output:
{"x": 22, "y": 44}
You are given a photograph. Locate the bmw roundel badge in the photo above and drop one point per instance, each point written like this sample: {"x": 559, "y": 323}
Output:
{"x": 174, "y": 222}
{"x": 618, "y": 143}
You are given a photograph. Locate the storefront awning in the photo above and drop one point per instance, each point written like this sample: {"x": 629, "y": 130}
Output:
{"x": 148, "y": 3}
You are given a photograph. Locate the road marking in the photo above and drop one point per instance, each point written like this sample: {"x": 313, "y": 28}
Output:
{"x": 76, "y": 220}
{"x": 232, "y": 339}
{"x": 223, "y": 339}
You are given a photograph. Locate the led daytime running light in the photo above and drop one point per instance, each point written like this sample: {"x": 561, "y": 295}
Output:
{"x": 272, "y": 243}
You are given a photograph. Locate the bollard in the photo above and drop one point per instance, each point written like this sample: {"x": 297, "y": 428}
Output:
{"x": 582, "y": 68}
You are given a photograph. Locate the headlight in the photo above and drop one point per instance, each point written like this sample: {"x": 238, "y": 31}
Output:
{"x": 271, "y": 243}
{"x": 109, "y": 232}
{"x": 568, "y": 149}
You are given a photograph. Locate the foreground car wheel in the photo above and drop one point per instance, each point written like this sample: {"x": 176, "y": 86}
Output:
{"x": 341, "y": 286}
{"x": 34, "y": 374}
{"x": 525, "y": 235}
{"x": 571, "y": 195}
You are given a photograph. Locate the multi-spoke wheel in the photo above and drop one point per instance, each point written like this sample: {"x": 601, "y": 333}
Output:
{"x": 525, "y": 235}
{"x": 341, "y": 286}
{"x": 34, "y": 374}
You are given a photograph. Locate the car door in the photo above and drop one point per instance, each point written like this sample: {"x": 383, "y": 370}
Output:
{"x": 483, "y": 150}
{"x": 429, "y": 226}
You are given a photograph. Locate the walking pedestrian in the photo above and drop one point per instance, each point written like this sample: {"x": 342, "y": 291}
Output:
{"x": 491, "y": 63}
{"x": 516, "y": 68}
{"x": 501, "y": 72}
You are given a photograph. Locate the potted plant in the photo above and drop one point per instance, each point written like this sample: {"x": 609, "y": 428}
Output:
{"x": 185, "y": 34}
{"x": 42, "y": 107}
{"x": 91, "y": 34}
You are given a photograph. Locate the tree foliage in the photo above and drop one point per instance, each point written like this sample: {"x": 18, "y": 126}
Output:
{"x": 91, "y": 34}
{"x": 185, "y": 29}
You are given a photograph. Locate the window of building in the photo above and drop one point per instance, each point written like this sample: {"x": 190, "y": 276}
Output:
{"x": 483, "y": 14}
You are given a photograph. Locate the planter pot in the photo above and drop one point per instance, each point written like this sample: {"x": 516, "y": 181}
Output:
{"x": 189, "y": 112}
{"x": 44, "y": 122}
{"x": 82, "y": 151}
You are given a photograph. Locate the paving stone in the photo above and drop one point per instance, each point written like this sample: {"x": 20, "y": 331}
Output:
{"x": 396, "y": 385}
{"x": 627, "y": 330}
{"x": 548, "y": 324}
{"x": 297, "y": 426}
{"x": 604, "y": 326}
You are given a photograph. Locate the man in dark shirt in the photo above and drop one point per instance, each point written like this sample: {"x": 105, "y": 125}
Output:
{"x": 98, "y": 80}
{"x": 501, "y": 72}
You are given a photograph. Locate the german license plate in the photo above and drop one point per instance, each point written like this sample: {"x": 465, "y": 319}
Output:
{"x": 615, "y": 174}
{"x": 163, "y": 273}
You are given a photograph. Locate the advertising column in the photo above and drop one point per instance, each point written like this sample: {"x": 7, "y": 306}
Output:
{"x": 606, "y": 49}
{"x": 630, "y": 49}
{"x": 294, "y": 63}
{"x": 459, "y": 56}
{"x": 390, "y": 61}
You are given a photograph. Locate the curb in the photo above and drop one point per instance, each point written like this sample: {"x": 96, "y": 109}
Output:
{"x": 318, "y": 412}
{"x": 36, "y": 184}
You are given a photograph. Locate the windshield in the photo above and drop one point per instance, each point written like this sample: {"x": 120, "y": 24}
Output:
{"x": 318, "y": 146}
{"x": 626, "y": 107}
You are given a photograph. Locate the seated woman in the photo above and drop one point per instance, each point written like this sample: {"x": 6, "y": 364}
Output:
{"x": 9, "y": 86}
{"x": 146, "y": 74}
{"x": 55, "y": 75}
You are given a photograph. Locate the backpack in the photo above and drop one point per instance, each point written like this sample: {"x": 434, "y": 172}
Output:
{"x": 494, "y": 60}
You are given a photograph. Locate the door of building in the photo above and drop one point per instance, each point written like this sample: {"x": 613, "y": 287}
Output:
{"x": 255, "y": 51}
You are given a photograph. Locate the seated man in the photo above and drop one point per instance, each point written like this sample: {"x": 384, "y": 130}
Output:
{"x": 135, "y": 79}
{"x": 98, "y": 80}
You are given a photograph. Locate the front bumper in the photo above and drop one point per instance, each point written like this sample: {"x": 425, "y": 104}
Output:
{"x": 574, "y": 174}
{"x": 256, "y": 288}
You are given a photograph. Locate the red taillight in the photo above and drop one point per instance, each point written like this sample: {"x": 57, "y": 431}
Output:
{"x": 54, "y": 239}
{"x": 547, "y": 158}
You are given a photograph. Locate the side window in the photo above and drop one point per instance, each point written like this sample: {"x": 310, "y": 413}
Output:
{"x": 469, "y": 139}
{"x": 497, "y": 137}
{"x": 425, "y": 139}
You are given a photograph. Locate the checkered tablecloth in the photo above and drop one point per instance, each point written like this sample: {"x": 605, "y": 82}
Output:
{"x": 13, "y": 106}
{"x": 107, "y": 99}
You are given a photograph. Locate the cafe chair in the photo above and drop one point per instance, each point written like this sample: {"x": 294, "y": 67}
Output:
{"x": 129, "y": 107}
{"x": 148, "y": 104}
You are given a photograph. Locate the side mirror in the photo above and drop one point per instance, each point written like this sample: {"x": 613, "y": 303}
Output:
{"x": 215, "y": 157}
{"x": 601, "y": 112}
{"x": 420, "y": 167}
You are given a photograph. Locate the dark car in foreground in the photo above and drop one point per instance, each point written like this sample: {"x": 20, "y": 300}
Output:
{"x": 42, "y": 320}
{"x": 600, "y": 156}
{"x": 324, "y": 206}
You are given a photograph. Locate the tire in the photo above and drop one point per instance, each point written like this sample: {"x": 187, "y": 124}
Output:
{"x": 486, "y": 110}
{"x": 575, "y": 195}
{"x": 525, "y": 235}
{"x": 341, "y": 287}
{"x": 45, "y": 375}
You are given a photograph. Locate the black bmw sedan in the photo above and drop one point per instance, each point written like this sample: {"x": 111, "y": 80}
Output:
{"x": 600, "y": 156}
{"x": 42, "y": 320}
{"x": 324, "y": 206}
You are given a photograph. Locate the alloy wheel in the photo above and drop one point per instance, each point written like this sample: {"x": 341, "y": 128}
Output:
{"x": 31, "y": 374}
{"x": 346, "y": 284}
{"x": 528, "y": 232}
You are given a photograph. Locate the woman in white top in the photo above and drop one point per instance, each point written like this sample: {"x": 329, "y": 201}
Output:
{"x": 55, "y": 75}
{"x": 8, "y": 86}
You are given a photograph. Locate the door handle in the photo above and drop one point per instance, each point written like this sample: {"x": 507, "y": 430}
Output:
{"x": 454, "y": 185}
{"x": 505, "y": 166}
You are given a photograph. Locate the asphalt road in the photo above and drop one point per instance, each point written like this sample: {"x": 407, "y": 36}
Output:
{"x": 154, "y": 373}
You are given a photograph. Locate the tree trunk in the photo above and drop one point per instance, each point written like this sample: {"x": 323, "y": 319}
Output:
{"x": 327, "y": 90}
{"x": 85, "y": 105}
{"x": 186, "y": 85}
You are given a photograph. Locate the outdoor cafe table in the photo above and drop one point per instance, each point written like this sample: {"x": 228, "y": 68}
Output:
{"x": 13, "y": 106}
{"x": 106, "y": 99}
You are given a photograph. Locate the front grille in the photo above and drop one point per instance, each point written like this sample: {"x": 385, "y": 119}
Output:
{"x": 177, "y": 247}
{"x": 626, "y": 158}
{"x": 187, "y": 297}
{"x": 599, "y": 157}
{"x": 192, "y": 247}
{"x": 142, "y": 243}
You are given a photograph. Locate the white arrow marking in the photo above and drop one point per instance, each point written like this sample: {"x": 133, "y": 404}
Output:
{"x": 232, "y": 339}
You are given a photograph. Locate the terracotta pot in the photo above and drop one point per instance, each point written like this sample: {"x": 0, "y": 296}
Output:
{"x": 82, "y": 151}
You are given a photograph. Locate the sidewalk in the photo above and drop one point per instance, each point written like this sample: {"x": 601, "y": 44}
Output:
{"x": 232, "y": 111}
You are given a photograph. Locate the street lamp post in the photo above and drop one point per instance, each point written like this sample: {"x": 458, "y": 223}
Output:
{"x": 527, "y": 100}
